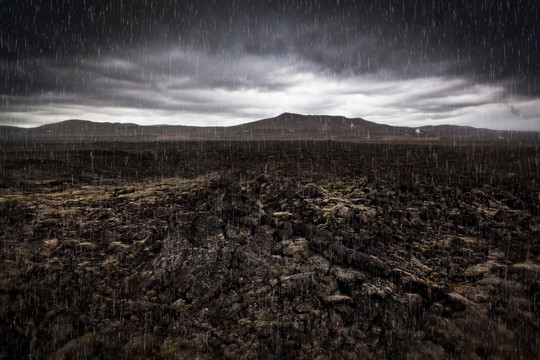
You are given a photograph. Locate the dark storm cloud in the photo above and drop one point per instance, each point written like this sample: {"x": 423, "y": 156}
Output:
{"x": 199, "y": 56}
{"x": 491, "y": 40}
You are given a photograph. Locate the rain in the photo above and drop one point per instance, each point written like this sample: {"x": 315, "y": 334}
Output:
{"x": 308, "y": 179}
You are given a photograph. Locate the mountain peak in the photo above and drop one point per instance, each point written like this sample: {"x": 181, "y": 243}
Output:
{"x": 289, "y": 114}
{"x": 286, "y": 126}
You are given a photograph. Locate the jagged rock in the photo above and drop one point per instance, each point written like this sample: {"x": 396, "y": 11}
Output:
{"x": 297, "y": 284}
{"x": 312, "y": 191}
{"x": 234, "y": 264}
{"x": 338, "y": 299}
{"x": 297, "y": 247}
{"x": 340, "y": 254}
{"x": 82, "y": 347}
{"x": 348, "y": 278}
{"x": 412, "y": 284}
{"x": 321, "y": 264}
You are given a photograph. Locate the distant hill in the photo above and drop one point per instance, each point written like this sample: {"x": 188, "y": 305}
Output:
{"x": 286, "y": 126}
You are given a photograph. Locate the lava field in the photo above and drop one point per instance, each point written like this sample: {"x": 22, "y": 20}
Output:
{"x": 269, "y": 250}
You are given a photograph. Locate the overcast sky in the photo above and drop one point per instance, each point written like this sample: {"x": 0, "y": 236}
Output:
{"x": 412, "y": 63}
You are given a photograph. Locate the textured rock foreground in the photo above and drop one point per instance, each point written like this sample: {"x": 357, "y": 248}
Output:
{"x": 254, "y": 265}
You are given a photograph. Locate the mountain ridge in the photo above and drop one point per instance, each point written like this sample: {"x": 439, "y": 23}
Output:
{"x": 286, "y": 126}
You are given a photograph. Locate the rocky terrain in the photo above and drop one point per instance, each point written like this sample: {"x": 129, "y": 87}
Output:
{"x": 307, "y": 250}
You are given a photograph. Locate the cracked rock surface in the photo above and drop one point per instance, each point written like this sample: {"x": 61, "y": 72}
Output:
{"x": 259, "y": 263}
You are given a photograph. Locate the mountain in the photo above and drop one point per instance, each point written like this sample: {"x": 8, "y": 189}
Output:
{"x": 286, "y": 126}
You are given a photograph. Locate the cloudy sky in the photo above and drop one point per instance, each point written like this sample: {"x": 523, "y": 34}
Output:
{"x": 414, "y": 62}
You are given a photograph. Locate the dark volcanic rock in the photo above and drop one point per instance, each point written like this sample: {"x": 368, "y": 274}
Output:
{"x": 265, "y": 266}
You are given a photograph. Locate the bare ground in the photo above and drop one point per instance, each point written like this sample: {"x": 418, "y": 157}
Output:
{"x": 269, "y": 250}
